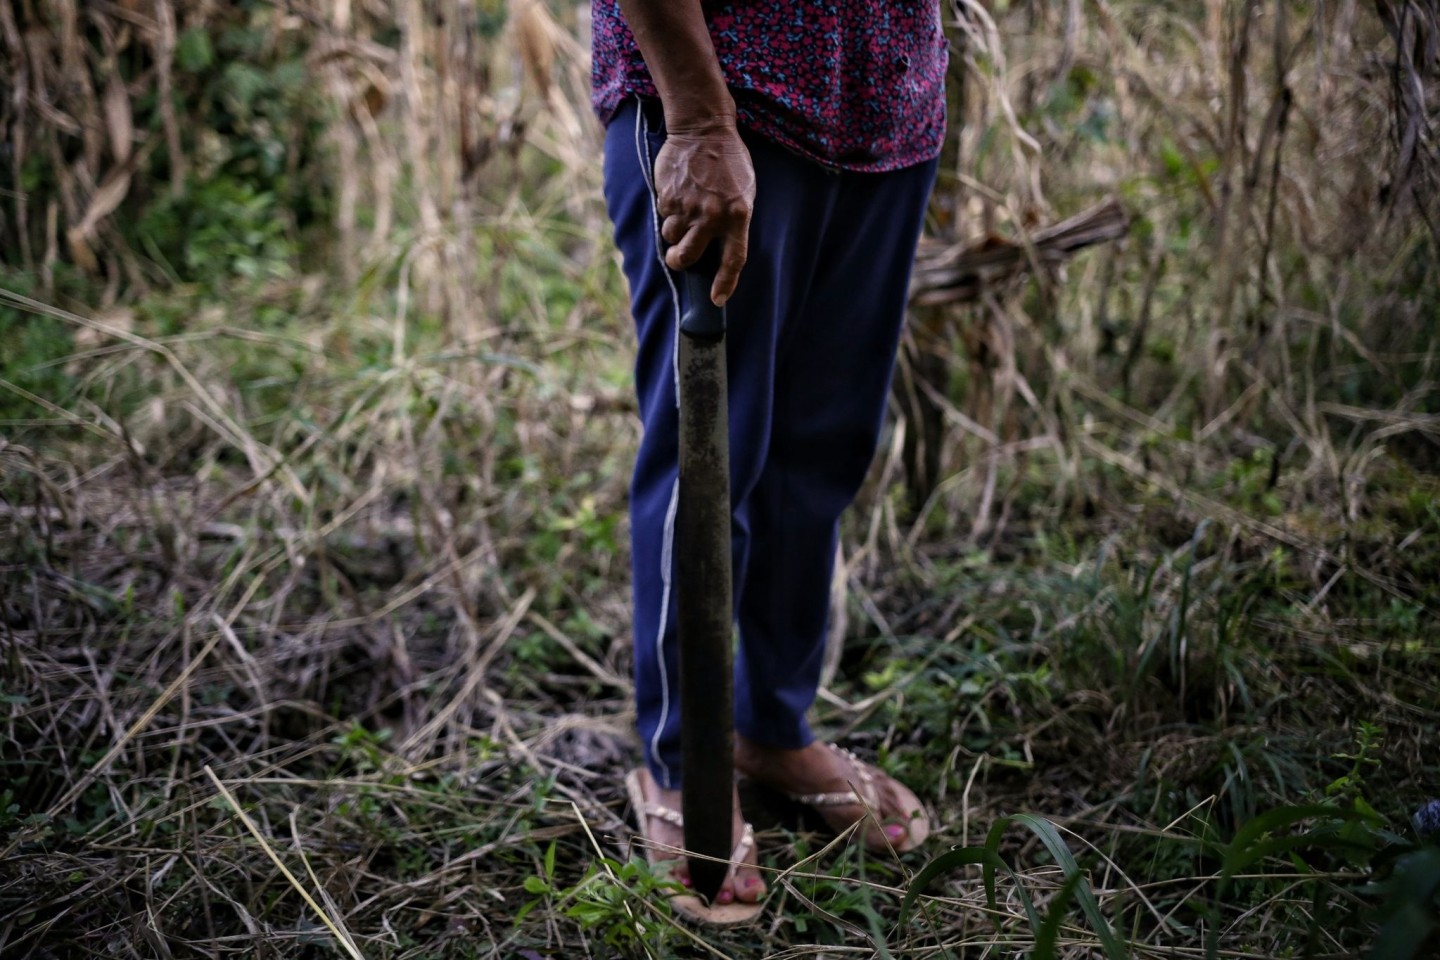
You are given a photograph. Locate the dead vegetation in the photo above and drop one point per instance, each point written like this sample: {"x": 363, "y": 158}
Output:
{"x": 313, "y": 458}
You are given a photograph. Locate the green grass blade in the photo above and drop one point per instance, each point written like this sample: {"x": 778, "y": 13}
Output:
{"x": 1060, "y": 850}
{"x": 943, "y": 864}
{"x": 1049, "y": 931}
{"x": 988, "y": 858}
{"x": 1248, "y": 847}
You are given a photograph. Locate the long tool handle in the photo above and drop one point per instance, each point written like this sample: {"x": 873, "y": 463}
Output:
{"x": 703, "y": 579}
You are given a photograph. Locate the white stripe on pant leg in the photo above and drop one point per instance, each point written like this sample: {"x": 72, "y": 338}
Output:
{"x": 667, "y": 550}
{"x": 642, "y": 150}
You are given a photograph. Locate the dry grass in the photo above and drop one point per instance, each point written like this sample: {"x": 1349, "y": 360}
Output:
{"x": 313, "y": 600}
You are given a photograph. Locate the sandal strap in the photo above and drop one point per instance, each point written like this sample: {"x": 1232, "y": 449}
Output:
{"x": 844, "y": 798}
{"x": 676, "y": 819}
{"x": 662, "y": 812}
{"x": 747, "y": 840}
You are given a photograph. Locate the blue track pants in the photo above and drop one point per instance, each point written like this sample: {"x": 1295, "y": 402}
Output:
{"x": 813, "y": 328}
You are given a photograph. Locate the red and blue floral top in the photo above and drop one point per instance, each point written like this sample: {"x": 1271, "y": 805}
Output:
{"x": 855, "y": 84}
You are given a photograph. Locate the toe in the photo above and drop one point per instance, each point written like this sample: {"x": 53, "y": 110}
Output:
{"x": 903, "y": 820}
{"x": 745, "y": 886}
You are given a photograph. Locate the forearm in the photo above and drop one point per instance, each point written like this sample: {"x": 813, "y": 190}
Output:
{"x": 675, "y": 42}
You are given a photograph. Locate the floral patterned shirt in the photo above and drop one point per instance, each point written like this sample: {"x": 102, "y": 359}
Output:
{"x": 853, "y": 84}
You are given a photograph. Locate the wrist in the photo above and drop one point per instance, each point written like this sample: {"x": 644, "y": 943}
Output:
{"x": 699, "y": 119}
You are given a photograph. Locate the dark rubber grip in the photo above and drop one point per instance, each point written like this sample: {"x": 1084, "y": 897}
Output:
{"x": 702, "y": 319}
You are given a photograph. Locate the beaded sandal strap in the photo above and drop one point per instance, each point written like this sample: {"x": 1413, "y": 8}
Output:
{"x": 675, "y": 819}
{"x": 841, "y": 798}
{"x": 662, "y": 812}
{"x": 747, "y": 840}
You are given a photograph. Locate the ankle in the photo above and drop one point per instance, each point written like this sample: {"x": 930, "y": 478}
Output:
{"x": 748, "y": 748}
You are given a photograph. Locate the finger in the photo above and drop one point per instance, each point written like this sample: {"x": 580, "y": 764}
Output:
{"x": 673, "y": 229}
{"x": 732, "y": 261}
{"x": 684, "y": 254}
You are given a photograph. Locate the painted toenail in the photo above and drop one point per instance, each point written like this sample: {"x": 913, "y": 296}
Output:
{"x": 725, "y": 896}
{"x": 895, "y": 831}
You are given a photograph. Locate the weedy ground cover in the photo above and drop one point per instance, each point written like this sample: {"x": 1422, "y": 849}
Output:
{"x": 313, "y": 469}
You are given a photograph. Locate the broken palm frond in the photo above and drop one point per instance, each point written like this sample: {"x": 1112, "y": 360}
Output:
{"x": 959, "y": 273}
{"x": 982, "y": 272}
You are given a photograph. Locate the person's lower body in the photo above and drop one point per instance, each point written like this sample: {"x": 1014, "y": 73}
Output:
{"x": 812, "y": 333}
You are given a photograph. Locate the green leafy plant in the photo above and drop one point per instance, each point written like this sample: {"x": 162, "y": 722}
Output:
{"x": 623, "y": 904}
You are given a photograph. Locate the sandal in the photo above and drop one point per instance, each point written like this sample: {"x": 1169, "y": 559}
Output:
{"x": 640, "y": 785}
{"x": 917, "y": 825}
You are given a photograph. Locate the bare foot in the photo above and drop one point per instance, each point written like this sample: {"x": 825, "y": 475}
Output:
{"x": 823, "y": 769}
{"x": 744, "y": 885}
